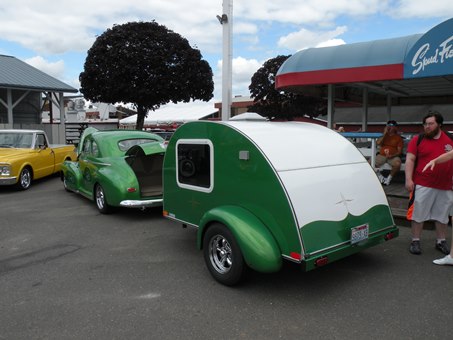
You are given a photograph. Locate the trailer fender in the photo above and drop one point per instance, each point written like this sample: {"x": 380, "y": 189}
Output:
{"x": 259, "y": 248}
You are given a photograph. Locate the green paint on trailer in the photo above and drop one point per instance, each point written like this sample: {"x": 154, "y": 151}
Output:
{"x": 250, "y": 184}
{"x": 319, "y": 235}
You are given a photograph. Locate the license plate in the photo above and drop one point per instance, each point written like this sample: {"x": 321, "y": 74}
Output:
{"x": 359, "y": 233}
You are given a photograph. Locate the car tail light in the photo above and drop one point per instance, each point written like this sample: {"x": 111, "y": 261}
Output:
{"x": 131, "y": 189}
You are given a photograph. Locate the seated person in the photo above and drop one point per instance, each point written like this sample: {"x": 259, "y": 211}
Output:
{"x": 391, "y": 147}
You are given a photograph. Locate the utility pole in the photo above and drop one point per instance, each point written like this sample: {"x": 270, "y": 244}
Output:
{"x": 226, "y": 20}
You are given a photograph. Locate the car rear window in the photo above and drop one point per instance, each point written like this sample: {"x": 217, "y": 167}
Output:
{"x": 126, "y": 144}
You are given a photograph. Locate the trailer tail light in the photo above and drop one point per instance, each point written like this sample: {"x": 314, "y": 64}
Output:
{"x": 295, "y": 256}
{"x": 322, "y": 261}
{"x": 131, "y": 189}
{"x": 389, "y": 236}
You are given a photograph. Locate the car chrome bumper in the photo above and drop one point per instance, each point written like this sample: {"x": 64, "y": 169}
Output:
{"x": 141, "y": 203}
{"x": 8, "y": 180}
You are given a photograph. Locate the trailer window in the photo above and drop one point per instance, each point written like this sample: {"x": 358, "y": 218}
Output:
{"x": 195, "y": 165}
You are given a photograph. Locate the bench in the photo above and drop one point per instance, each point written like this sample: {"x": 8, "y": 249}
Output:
{"x": 366, "y": 152}
{"x": 366, "y": 144}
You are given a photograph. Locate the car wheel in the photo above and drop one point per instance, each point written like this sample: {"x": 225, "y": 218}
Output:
{"x": 65, "y": 183}
{"x": 100, "y": 199}
{"x": 222, "y": 255}
{"x": 24, "y": 179}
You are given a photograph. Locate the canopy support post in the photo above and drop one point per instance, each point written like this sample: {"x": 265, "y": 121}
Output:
{"x": 365, "y": 110}
{"x": 330, "y": 105}
{"x": 389, "y": 106}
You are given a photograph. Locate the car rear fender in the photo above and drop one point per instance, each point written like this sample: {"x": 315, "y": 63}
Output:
{"x": 70, "y": 170}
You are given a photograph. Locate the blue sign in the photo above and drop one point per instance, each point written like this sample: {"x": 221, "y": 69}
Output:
{"x": 432, "y": 54}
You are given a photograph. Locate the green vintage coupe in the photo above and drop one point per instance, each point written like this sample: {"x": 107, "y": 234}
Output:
{"x": 120, "y": 168}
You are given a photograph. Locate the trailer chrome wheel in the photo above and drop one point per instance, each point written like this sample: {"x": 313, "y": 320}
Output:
{"x": 222, "y": 255}
{"x": 100, "y": 199}
{"x": 24, "y": 179}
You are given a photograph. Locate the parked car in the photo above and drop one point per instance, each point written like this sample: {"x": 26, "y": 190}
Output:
{"x": 121, "y": 168}
{"x": 27, "y": 155}
{"x": 165, "y": 134}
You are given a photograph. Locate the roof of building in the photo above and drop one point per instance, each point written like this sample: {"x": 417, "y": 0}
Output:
{"x": 337, "y": 63}
{"x": 175, "y": 113}
{"x": 237, "y": 101}
{"x": 416, "y": 65}
{"x": 16, "y": 74}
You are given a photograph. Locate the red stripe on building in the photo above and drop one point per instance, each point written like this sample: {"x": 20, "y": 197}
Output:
{"x": 342, "y": 75}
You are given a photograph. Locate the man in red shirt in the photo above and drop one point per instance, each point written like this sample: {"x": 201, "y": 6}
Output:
{"x": 391, "y": 146}
{"x": 431, "y": 190}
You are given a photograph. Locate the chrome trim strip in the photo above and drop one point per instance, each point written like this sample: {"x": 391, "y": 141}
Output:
{"x": 8, "y": 180}
{"x": 96, "y": 163}
{"x": 289, "y": 258}
{"x": 181, "y": 221}
{"x": 141, "y": 203}
{"x": 344, "y": 243}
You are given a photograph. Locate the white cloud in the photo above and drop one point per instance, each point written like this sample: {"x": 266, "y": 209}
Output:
{"x": 307, "y": 12}
{"x": 54, "y": 69}
{"x": 75, "y": 83}
{"x": 422, "y": 9}
{"x": 331, "y": 42}
{"x": 243, "y": 69}
{"x": 49, "y": 29}
{"x": 242, "y": 72}
{"x": 244, "y": 28}
{"x": 305, "y": 39}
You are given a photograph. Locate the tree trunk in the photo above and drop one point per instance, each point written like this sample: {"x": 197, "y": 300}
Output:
{"x": 141, "y": 114}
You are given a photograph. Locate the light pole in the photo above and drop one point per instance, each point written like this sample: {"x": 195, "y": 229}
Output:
{"x": 226, "y": 20}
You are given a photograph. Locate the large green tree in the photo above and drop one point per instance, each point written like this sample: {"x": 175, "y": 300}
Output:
{"x": 277, "y": 104}
{"x": 147, "y": 65}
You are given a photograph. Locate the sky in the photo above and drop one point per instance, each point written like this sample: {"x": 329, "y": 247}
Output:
{"x": 55, "y": 36}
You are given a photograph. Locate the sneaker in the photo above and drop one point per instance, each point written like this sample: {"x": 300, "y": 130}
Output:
{"x": 380, "y": 177}
{"x": 387, "y": 180}
{"x": 442, "y": 246}
{"x": 415, "y": 248}
{"x": 447, "y": 260}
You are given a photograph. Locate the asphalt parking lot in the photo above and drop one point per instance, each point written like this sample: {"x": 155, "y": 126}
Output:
{"x": 68, "y": 272}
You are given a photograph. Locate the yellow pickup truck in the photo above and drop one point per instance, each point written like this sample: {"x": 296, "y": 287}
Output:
{"x": 26, "y": 155}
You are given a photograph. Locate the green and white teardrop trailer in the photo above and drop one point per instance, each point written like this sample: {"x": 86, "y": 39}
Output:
{"x": 260, "y": 192}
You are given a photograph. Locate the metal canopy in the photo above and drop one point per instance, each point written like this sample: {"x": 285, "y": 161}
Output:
{"x": 18, "y": 79}
{"x": 405, "y": 69}
{"x": 16, "y": 74}
{"x": 421, "y": 87}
